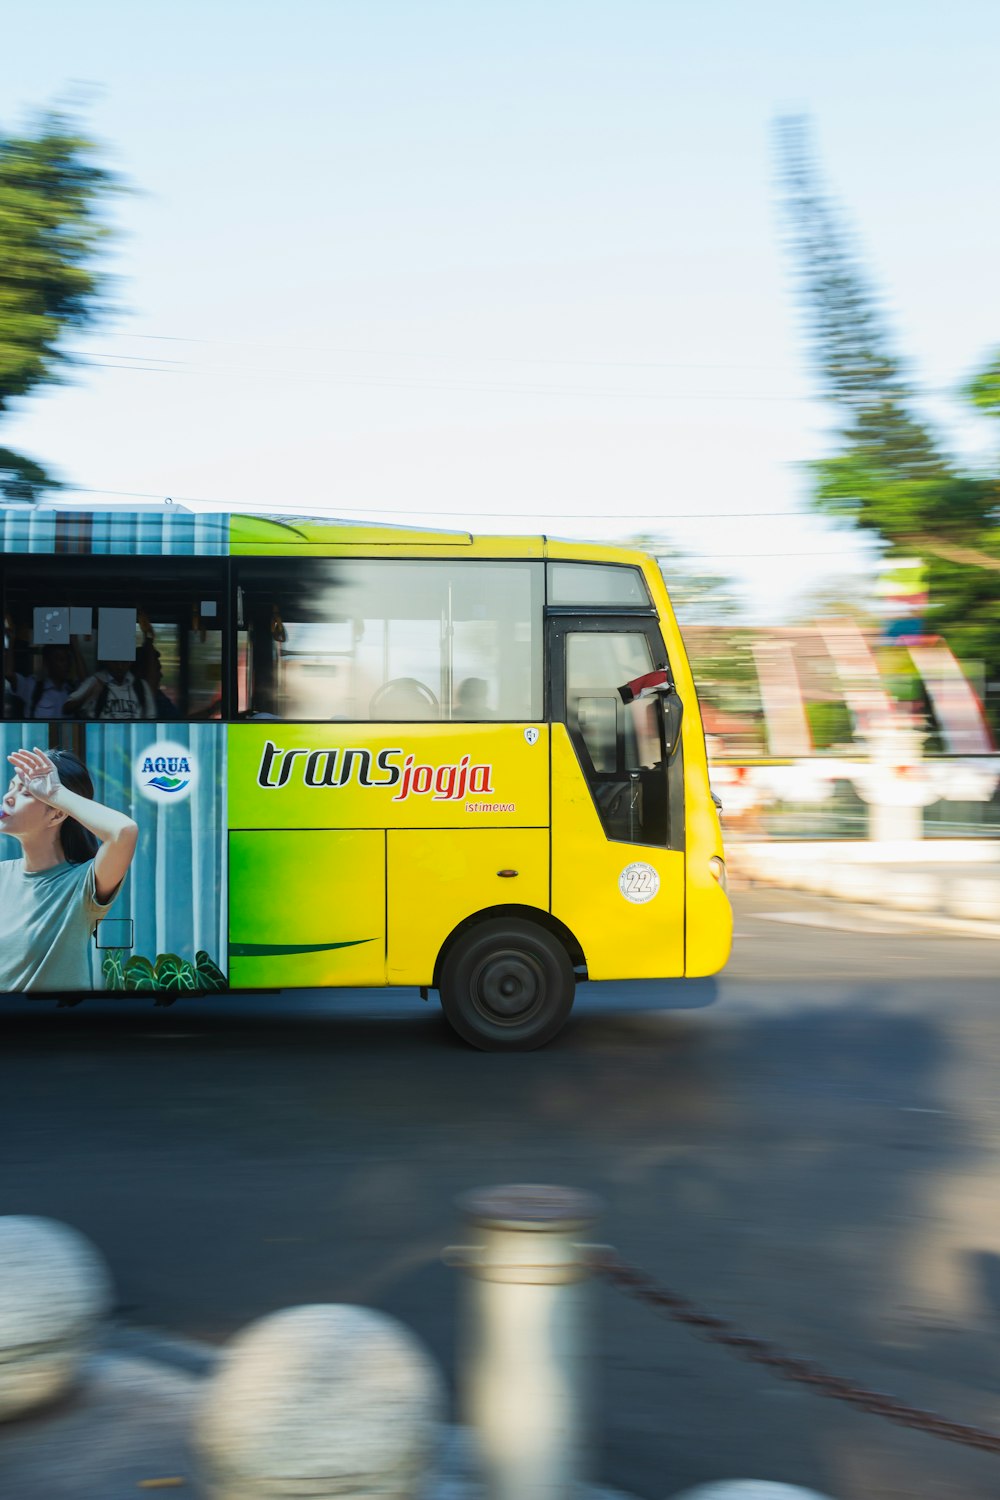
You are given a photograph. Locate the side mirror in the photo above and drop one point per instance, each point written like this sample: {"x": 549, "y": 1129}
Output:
{"x": 673, "y": 709}
{"x": 673, "y": 717}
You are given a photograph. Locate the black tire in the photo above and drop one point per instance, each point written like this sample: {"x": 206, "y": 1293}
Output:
{"x": 507, "y": 986}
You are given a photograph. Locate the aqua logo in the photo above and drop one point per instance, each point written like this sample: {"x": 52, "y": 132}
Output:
{"x": 166, "y": 772}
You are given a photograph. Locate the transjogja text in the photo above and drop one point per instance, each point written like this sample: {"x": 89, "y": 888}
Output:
{"x": 341, "y": 767}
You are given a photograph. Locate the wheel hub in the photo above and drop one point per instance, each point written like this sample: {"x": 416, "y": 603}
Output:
{"x": 508, "y": 987}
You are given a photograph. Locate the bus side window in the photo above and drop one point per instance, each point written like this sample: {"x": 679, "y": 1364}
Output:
{"x": 392, "y": 640}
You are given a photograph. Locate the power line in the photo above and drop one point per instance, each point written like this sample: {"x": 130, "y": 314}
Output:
{"x": 152, "y": 364}
{"x": 516, "y": 359}
{"x": 388, "y": 510}
{"x": 410, "y": 519}
{"x": 149, "y": 366}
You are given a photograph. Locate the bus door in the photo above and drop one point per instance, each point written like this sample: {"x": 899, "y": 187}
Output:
{"x": 617, "y": 795}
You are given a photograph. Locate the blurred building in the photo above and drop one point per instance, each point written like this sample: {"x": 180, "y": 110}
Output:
{"x": 815, "y": 729}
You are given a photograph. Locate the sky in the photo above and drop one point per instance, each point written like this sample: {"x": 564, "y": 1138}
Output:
{"x": 510, "y": 267}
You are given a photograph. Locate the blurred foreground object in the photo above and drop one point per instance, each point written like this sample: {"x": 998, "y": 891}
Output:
{"x": 322, "y": 1401}
{"x": 526, "y": 1348}
{"x": 750, "y": 1489}
{"x": 53, "y": 194}
{"x": 54, "y": 1293}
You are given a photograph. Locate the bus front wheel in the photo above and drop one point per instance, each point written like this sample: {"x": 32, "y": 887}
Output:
{"x": 507, "y": 986}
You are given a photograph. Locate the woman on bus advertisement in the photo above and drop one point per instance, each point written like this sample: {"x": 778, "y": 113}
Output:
{"x": 75, "y": 853}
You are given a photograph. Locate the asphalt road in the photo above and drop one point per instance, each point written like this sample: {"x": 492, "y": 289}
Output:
{"x": 817, "y": 1157}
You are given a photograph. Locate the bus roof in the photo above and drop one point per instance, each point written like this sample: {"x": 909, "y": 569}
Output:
{"x": 176, "y": 529}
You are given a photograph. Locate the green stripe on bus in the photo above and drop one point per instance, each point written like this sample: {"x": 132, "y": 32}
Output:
{"x": 278, "y": 950}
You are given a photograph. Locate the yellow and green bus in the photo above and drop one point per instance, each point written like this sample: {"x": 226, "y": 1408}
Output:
{"x": 365, "y": 756}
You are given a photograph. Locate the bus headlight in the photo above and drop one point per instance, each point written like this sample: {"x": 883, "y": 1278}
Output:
{"x": 718, "y": 869}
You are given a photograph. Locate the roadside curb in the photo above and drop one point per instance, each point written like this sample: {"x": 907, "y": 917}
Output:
{"x": 189, "y": 1356}
{"x": 122, "y": 1429}
{"x": 851, "y": 916}
{"x": 910, "y": 885}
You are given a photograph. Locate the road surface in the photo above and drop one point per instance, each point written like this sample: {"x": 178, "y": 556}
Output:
{"x": 817, "y": 1157}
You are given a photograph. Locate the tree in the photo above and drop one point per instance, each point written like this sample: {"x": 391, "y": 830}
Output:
{"x": 890, "y": 472}
{"x": 53, "y": 230}
{"x": 699, "y": 596}
{"x": 983, "y": 390}
{"x": 708, "y": 608}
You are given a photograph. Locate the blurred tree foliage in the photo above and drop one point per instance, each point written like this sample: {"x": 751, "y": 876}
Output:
{"x": 699, "y": 596}
{"x": 708, "y": 608}
{"x": 53, "y": 230}
{"x": 889, "y": 473}
{"x": 830, "y": 725}
{"x": 983, "y": 390}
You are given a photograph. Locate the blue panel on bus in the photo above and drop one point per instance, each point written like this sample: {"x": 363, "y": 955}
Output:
{"x": 125, "y": 533}
{"x": 166, "y": 928}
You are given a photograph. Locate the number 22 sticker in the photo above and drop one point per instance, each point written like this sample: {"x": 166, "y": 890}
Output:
{"x": 639, "y": 883}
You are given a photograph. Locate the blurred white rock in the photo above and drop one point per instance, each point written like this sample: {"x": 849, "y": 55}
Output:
{"x": 323, "y": 1400}
{"x": 55, "y": 1290}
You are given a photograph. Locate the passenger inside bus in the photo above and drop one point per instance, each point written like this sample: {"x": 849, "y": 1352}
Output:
{"x": 109, "y": 638}
{"x": 149, "y": 667}
{"x": 43, "y": 695}
{"x": 404, "y": 698}
{"x": 472, "y": 699}
{"x": 111, "y": 694}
